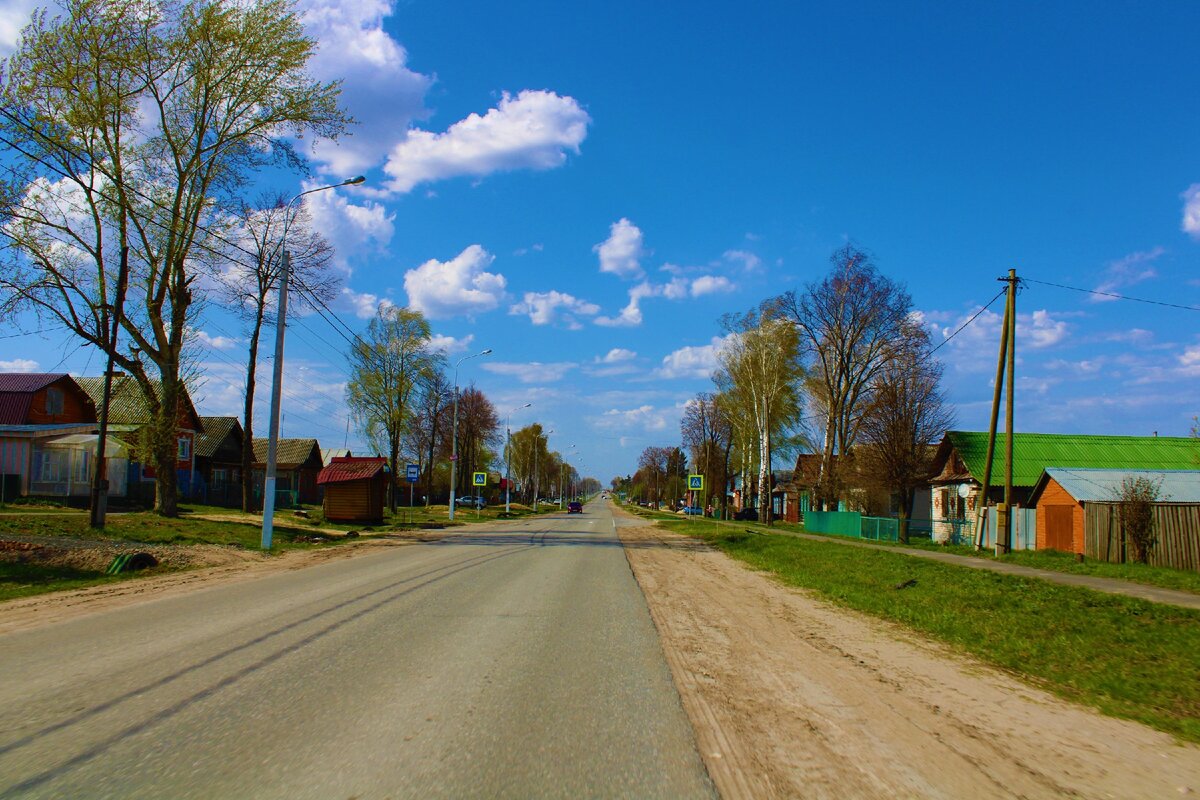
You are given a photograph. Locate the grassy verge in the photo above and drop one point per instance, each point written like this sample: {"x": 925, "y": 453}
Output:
{"x": 23, "y": 580}
{"x": 1125, "y": 657}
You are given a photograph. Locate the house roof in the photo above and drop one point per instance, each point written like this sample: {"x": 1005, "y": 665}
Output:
{"x": 127, "y": 404}
{"x": 291, "y": 453}
{"x": 17, "y": 390}
{"x": 1103, "y": 485}
{"x": 330, "y": 453}
{"x": 349, "y": 468}
{"x": 1034, "y": 452}
{"x": 216, "y": 429}
{"x": 113, "y": 447}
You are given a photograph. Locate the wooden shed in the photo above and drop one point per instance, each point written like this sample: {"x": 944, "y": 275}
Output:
{"x": 1076, "y": 513}
{"x": 355, "y": 489}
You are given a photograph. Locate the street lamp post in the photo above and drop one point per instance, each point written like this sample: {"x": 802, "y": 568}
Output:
{"x": 277, "y": 378}
{"x": 508, "y": 456}
{"x": 454, "y": 429}
{"x": 562, "y": 466}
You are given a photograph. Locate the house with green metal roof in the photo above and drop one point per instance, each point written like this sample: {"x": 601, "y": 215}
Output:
{"x": 958, "y": 465}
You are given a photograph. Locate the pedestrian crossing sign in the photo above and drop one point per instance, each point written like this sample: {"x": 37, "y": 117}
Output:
{"x": 480, "y": 479}
{"x": 695, "y": 483}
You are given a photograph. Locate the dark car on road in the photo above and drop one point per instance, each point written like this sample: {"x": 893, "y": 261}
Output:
{"x": 574, "y": 507}
{"x": 747, "y": 515}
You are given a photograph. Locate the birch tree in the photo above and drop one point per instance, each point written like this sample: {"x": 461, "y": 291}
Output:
{"x": 127, "y": 124}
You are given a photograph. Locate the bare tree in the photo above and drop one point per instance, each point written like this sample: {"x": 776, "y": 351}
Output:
{"x": 128, "y": 123}
{"x": 652, "y": 464}
{"x": 430, "y": 428}
{"x": 478, "y": 434}
{"x": 906, "y": 416}
{"x": 387, "y": 367}
{"x": 851, "y": 324}
{"x": 708, "y": 434}
{"x": 250, "y": 285}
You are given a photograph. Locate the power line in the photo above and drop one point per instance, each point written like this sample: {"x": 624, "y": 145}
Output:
{"x": 969, "y": 321}
{"x": 1113, "y": 295}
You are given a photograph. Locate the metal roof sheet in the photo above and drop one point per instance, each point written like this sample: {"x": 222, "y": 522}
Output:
{"x": 349, "y": 468}
{"x": 14, "y": 407}
{"x": 127, "y": 404}
{"x": 1035, "y": 452}
{"x": 113, "y": 448}
{"x": 215, "y": 431}
{"x": 28, "y": 381}
{"x": 291, "y": 453}
{"x": 1103, "y": 485}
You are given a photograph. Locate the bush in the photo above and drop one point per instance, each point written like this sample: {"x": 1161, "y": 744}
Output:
{"x": 1135, "y": 511}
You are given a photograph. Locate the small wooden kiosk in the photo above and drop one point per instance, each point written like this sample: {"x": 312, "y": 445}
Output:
{"x": 355, "y": 489}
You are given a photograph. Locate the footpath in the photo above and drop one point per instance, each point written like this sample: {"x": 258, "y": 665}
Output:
{"x": 1154, "y": 594}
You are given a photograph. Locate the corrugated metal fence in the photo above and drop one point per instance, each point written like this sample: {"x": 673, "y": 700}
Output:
{"x": 1176, "y": 528}
{"x": 954, "y": 531}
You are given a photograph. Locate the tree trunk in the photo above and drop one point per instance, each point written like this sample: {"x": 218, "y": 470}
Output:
{"x": 905, "y": 510}
{"x": 248, "y": 504}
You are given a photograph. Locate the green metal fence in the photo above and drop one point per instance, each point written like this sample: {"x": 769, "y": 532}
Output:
{"x": 886, "y": 529}
{"x": 841, "y": 523}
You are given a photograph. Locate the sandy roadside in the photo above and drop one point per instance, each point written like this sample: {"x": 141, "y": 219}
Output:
{"x": 793, "y": 697}
{"x": 228, "y": 566}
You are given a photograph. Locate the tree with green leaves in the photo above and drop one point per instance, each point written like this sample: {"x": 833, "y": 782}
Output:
{"x": 387, "y": 367}
{"x": 128, "y": 125}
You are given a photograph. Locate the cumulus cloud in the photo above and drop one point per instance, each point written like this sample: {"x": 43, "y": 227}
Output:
{"x": 351, "y": 227}
{"x": 617, "y": 355}
{"x": 1133, "y": 268}
{"x": 14, "y": 15}
{"x": 1189, "y": 361}
{"x": 534, "y": 130}
{"x": 693, "y": 362}
{"x": 1191, "y": 211}
{"x": 545, "y": 308}
{"x": 644, "y": 417}
{"x": 1043, "y": 330}
{"x": 532, "y": 372}
{"x": 460, "y": 286}
{"x": 748, "y": 260}
{"x": 364, "y": 304}
{"x": 378, "y": 88}
{"x": 710, "y": 284}
{"x": 19, "y": 365}
{"x": 450, "y": 345}
{"x": 631, "y": 314}
{"x": 215, "y": 342}
{"x": 622, "y": 251}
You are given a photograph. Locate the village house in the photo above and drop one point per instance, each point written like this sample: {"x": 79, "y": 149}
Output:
{"x": 355, "y": 489}
{"x": 297, "y": 466}
{"x": 959, "y": 463}
{"x": 219, "y": 462}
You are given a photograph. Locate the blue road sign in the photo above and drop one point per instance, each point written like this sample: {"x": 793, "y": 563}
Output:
{"x": 412, "y": 472}
{"x": 695, "y": 483}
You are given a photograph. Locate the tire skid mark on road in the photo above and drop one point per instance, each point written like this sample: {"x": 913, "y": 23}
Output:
{"x": 98, "y": 748}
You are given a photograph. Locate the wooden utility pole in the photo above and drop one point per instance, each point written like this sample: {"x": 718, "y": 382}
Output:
{"x": 1006, "y": 358}
{"x": 1004, "y": 524}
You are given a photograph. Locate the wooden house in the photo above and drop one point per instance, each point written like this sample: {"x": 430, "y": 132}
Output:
{"x": 355, "y": 489}
{"x": 297, "y": 465}
{"x": 219, "y": 460}
{"x": 1077, "y": 513}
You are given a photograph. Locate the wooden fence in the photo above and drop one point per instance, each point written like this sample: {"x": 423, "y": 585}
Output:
{"x": 1176, "y": 530}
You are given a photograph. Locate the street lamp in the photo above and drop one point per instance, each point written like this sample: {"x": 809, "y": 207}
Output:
{"x": 508, "y": 456}
{"x": 535, "y": 472}
{"x": 277, "y": 379}
{"x": 454, "y": 429}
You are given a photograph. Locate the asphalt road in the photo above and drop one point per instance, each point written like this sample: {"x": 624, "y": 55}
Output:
{"x": 517, "y": 662}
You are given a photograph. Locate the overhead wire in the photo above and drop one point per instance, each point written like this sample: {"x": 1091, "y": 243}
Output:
{"x": 974, "y": 316}
{"x": 1113, "y": 295}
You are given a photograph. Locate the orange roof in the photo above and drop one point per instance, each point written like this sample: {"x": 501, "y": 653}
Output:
{"x": 351, "y": 468}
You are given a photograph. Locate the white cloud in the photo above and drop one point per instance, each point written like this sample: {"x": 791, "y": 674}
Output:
{"x": 14, "y": 15}
{"x": 365, "y": 304}
{"x": 693, "y": 362}
{"x": 631, "y": 314}
{"x": 1133, "y": 268}
{"x": 450, "y": 345}
{"x": 378, "y": 89}
{"x": 532, "y": 372}
{"x": 1191, "y": 210}
{"x": 644, "y": 417}
{"x": 352, "y": 228}
{"x": 215, "y": 342}
{"x": 616, "y": 356}
{"x": 19, "y": 365}
{"x": 545, "y": 308}
{"x": 748, "y": 260}
{"x": 534, "y": 130}
{"x": 622, "y": 251}
{"x": 710, "y": 284}
{"x": 460, "y": 286}
{"x": 676, "y": 289}
{"x": 1189, "y": 361}
{"x": 1042, "y": 329}
{"x": 1037, "y": 330}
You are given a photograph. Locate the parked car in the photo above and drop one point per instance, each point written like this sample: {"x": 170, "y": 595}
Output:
{"x": 470, "y": 501}
{"x": 747, "y": 515}
{"x": 692, "y": 511}
{"x": 574, "y": 507}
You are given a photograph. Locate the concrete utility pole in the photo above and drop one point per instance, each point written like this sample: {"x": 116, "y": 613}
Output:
{"x": 508, "y": 456}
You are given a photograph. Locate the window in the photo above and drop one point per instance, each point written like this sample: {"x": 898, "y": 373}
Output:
{"x": 54, "y": 401}
{"x": 185, "y": 449}
{"x": 220, "y": 477}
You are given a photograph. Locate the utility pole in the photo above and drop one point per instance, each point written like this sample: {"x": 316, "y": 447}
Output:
{"x": 99, "y": 506}
{"x": 1007, "y": 358}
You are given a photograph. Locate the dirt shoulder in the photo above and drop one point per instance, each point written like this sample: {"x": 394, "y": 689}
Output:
{"x": 793, "y": 697}
{"x": 200, "y": 566}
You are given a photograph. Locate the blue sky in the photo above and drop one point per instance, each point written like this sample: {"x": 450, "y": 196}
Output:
{"x": 585, "y": 188}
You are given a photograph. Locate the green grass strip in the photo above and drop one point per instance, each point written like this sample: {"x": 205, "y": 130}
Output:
{"x": 1126, "y": 657}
